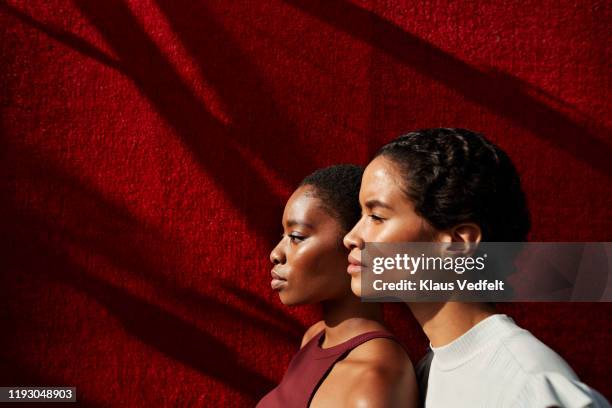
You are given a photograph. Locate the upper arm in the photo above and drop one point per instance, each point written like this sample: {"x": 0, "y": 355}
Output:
{"x": 383, "y": 388}
{"x": 312, "y": 331}
{"x": 387, "y": 379}
{"x": 370, "y": 391}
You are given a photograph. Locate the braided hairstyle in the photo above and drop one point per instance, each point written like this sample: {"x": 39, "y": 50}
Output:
{"x": 456, "y": 175}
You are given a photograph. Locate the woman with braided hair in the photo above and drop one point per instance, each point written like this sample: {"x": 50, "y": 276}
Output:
{"x": 453, "y": 185}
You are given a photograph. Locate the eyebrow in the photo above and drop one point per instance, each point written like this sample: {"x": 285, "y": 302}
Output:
{"x": 376, "y": 203}
{"x": 293, "y": 223}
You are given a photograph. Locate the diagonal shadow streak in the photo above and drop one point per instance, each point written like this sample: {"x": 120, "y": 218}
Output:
{"x": 219, "y": 149}
{"x": 95, "y": 217}
{"x": 254, "y": 317}
{"x": 103, "y": 227}
{"x": 502, "y": 93}
{"x": 222, "y": 150}
{"x": 258, "y": 303}
{"x": 257, "y": 117}
{"x": 65, "y": 37}
{"x": 111, "y": 250}
{"x": 148, "y": 322}
{"x": 43, "y": 254}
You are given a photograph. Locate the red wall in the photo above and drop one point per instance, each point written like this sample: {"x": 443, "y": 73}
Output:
{"x": 148, "y": 148}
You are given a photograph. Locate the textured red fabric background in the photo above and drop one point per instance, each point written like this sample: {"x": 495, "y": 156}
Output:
{"x": 148, "y": 147}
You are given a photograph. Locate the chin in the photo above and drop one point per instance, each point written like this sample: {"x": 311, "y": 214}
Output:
{"x": 356, "y": 285}
{"x": 285, "y": 300}
{"x": 296, "y": 297}
{"x": 288, "y": 300}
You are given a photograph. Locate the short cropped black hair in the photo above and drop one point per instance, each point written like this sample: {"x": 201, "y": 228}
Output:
{"x": 456, "y": 175}
{"x": 338, "y": 189}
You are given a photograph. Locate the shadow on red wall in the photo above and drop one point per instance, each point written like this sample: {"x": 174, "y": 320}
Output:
{"x": 90, "y": 225}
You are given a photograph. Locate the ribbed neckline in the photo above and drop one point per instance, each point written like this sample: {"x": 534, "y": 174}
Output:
{"x": 481, "y": 336}
{"x": 344, "y": 346}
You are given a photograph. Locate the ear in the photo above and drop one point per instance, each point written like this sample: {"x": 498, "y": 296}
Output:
{"x": 467, "y": 232}
{"x": 461, "y": 240}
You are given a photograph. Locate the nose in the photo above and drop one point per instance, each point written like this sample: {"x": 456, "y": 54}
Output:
{"x": 277, "y": 256}
{"x": 353, "y": 238}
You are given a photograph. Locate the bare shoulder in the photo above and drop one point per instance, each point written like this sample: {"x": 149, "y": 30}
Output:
{"x": 377, "y": 373}
{"x": 375, "y": 388}
{"x": 384, "y": 353}
{"x": 312, "y": 331}
{"x": 384, "y": 376}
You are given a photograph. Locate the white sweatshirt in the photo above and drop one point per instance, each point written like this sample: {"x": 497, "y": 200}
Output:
{"x": 498, "y": 364}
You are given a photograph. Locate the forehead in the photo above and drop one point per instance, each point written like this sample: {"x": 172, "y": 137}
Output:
{"x": 382, "y": 181}
{"x": 304, "y": 206}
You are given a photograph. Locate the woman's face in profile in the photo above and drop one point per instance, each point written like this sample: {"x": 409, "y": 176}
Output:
{"x": 387, "y": 215}
{"x": 309, "y": 261}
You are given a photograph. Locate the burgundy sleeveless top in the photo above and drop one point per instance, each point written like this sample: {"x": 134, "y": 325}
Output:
{"x": 308, "y": 369}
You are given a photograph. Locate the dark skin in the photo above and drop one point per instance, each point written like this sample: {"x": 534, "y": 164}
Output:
{"x": 389, "y": 216}
{"x": 310, "y": 266}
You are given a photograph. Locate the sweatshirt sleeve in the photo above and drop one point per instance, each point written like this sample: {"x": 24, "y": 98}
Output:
{"x": 551, "y": 389}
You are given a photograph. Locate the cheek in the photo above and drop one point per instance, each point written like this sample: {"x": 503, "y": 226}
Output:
{"x": 321, "y": 269}
{"x": 303, "y": 261}
{"x": 400, "y": 230}
{"x": 314, "y": 260}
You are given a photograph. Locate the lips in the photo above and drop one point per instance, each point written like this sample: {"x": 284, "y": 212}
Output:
{"x": 278, "y": 282}
{"x": 354, "y": 266}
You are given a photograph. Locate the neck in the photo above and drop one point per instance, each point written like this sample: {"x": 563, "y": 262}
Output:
{"x": 348, "y": 317}
{"x": 445, "y": 322}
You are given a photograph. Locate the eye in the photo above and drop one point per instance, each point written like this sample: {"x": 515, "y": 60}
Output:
{"x": 375, "y": 218}
{"x": 296, "y": 238}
